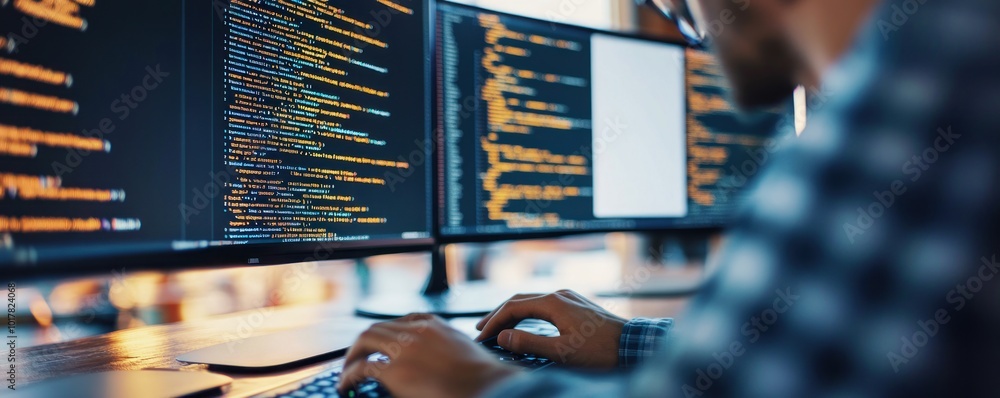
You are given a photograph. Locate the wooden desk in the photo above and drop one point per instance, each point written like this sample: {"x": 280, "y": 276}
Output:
{"x": 157, "y": 346}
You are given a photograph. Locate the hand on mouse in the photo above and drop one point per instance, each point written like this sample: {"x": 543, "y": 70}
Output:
{"x": 589, "y": 335}
{"x": 426, "y": 358}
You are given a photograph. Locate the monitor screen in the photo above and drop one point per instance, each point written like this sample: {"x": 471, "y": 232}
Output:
{"x": 548, "y": 128}
{"x": 240, "y": 127}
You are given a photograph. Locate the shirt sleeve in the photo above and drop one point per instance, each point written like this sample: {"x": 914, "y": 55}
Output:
{"x": 642, "y": 341}
{"x": 642, "y": 338}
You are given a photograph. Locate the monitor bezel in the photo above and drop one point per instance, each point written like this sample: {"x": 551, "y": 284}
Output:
{"x": 262, "y": 254}
{"x": 668, "y": 224}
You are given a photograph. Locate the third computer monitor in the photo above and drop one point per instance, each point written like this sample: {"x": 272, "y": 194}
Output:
{"x": 547, "y": 128}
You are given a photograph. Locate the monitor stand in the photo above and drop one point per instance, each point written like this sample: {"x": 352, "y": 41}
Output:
{"x": 687, "y": 248}
{"x": 438, "y": 298}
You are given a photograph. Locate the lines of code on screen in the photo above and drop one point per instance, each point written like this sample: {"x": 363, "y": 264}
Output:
{"x": 317, "y": 97}
{"x": 85, "y": 96}
{"x": 516, "y": 119}
{"x": 516, "y": 128}
{"x": 726, "y": 148}
{"x": 130, "y": 128}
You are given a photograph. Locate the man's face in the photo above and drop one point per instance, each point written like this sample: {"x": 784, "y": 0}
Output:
{"x": 756, "y": 55}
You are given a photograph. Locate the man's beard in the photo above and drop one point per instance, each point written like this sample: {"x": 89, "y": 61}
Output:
{"x": 766, "y": 81}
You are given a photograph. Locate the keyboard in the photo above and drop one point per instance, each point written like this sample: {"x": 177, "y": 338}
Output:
{"x": 324, "y": 384}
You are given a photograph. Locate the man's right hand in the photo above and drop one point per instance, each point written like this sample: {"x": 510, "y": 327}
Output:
{"x": 589, "y": 335}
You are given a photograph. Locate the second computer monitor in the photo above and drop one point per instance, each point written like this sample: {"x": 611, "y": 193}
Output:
{"x": 549, "y": 128}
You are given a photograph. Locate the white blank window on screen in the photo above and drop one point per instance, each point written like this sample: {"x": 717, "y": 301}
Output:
{"x": 640, "y": 153}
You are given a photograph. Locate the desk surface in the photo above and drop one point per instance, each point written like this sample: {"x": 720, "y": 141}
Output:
{"x": 155, "y": 347}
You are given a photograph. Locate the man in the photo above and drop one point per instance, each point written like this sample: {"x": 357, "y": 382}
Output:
{"x": 865, "y": 265}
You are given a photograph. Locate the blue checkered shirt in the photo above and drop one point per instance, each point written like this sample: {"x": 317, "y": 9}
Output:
{"x": 642, "y": 338}
{"x": 866, "y": 262}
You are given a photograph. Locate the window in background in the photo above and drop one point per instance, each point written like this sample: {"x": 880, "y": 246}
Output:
{"x": 616, "y": 15}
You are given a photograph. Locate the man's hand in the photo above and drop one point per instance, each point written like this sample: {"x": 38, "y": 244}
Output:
{"x": 426, "y": 358}
{"x": 589, "y": 335}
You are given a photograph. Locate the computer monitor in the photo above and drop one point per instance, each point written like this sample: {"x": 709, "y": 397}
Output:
{"x": 189, "y": 133}
{"x": 546, "y": 128}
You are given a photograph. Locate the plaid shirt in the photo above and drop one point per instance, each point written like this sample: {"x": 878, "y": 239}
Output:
{"x": 866, "y": 263}
{"x": 642, "y": 338}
